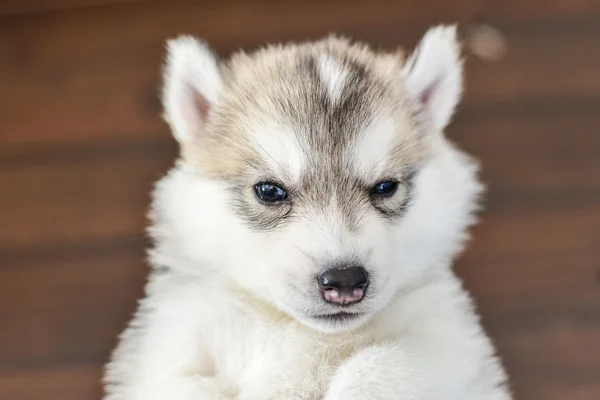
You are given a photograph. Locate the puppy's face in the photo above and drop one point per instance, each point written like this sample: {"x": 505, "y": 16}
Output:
{"x": 301, "y": 168}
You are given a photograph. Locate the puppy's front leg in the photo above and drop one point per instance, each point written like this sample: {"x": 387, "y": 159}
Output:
{"x": 163, "y": 355}
{"x": 381, "y": 372}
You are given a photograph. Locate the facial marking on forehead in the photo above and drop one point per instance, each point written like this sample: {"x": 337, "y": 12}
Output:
{"x": 333, "y": 74}
{"x": 280, "y": 150}
{"x": 371, "y": 152}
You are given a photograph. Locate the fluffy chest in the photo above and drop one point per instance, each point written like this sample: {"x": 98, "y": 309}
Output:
{"x": 274, "y": 358}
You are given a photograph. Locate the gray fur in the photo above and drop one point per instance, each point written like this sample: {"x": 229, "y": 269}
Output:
{"x": 283, "y": 85}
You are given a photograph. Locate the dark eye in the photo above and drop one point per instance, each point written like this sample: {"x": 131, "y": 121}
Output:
{"x": 384, "y": 189}
{"x": 270, "y": 192}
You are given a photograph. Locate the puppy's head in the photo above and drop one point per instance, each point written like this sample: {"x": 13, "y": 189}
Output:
{"x": 314, "y": 176}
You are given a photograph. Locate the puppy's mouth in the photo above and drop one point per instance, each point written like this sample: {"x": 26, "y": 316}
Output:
{"x": 341, "y": 316}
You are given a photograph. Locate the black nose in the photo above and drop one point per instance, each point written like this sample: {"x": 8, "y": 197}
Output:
{"x": 344, "y": 285}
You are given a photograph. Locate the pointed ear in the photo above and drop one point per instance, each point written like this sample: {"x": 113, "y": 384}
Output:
{"x": 433, "y": 75}
{"x": 192, "y": 84}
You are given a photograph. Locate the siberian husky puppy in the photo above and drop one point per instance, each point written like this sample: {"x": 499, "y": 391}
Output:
{"x": 303, "y": 242}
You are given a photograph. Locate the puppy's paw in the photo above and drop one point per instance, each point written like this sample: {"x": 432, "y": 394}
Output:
{"x": 376, "y": 373}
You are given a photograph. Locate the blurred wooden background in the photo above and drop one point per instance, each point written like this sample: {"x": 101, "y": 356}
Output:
{"x": 81, "y": 142}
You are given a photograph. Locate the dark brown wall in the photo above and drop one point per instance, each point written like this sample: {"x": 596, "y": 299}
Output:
{"x": 81, "y": 142}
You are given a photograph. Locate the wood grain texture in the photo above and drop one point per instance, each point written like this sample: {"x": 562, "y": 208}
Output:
{"x": 96, "y": 70}
{"x": 81, "y": 143}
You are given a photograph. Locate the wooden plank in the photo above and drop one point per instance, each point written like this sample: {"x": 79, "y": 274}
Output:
{"x": 503, "y": 281}
{"x": 80, "y": 382}
{"x": 506, "y": 235}
{"x": 79, "y": 200}
{"x": 19, "y": 7}
{"x": 67, "y": 310}
{"x": 527, "y": 160}
{"x": 532, "y": 10}
{"x": 101, "y": 83}
{"x": 537, "y": 11}
{"x": 541, "y": 64}
{"x": 556, "y": 364}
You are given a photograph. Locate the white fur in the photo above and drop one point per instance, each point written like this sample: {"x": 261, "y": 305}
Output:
{"x": 283, "y": 154}
{"x": 191, "y": 77}
{"x": 228, "y": 311}
{"x": 435, "y": 71}
{"x": 334, "y": 76}
{"x": 372, "y": 150}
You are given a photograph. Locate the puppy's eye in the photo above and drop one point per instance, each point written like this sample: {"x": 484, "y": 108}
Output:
{"x": 384, "y": 189}
{"x": 270, "y": 192}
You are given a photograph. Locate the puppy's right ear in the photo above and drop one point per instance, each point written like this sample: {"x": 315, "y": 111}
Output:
{"x": 433, "y": 74}
{"x": 192, "y": 84}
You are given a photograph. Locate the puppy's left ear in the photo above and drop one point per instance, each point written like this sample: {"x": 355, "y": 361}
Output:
{"x": 433, "y": 75}
{"x": 191, "y": 88}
